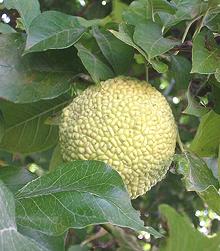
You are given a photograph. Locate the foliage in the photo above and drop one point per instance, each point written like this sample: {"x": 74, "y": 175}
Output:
{"x": 50, "y": 52}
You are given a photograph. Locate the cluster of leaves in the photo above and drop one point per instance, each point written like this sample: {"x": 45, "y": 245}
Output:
{"x": 46, "y": 58}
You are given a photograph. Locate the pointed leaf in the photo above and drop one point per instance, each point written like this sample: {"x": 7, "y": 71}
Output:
{"x": 53, "y": 30}
{"x": 205, "y": 54}
{"x": 77, "y": 194}
{"x": 98, "y": 69}
{"x": 125, "y": 34}
{"x": 118, "y": 54}
{"x": 149, "y": 37}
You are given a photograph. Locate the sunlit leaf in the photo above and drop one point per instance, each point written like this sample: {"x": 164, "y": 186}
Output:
{"x": 77, "y": 194}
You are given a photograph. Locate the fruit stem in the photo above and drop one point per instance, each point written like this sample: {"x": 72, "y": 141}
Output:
{"x": 146, "y": 71}
{"x": 181, "y": 146}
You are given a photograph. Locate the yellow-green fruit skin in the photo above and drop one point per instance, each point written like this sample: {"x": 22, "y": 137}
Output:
{"x": 126, "y": 123}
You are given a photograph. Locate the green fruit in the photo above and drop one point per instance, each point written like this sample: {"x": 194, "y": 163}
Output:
{"x": 126, "y": 123}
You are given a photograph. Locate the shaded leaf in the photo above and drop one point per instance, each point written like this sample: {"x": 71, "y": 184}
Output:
{"x": 217, "y": 74}
{"x": 212, "y": 21}
{"x": 213, "y": 3}
{"x": 33, "y": 77}
{"x": 25, "y": 128}
{"x": 125, "y": 34}
{"x": 164, "y": 6}
{"x": 183, "y": 236}
{"x": 138, "y": 12}
{"x": 149, "y": 37}
{"x": 205, "y": 54}
{"x": 56, "y": 158}
{"x": 15, "y": 177}
{"x": 193, "y": 106}
{"x": 158, "y": 65}
{"x": 186, "y": 10}
{"x": 51, "y": 243}
{"x": 118, "y": 54}
{"x": 199, "y": 178}
{"x": 28, "y": 9}
{"x": 197, "y": 175}
{"x": 10, "y": 238}
{"x": 142, "y": 10}
{"x": 5, "y": 28}
{"x": 78, "y": 248}
{"x": 70, "y": 196}
{"x": 180, "y": 68}
{"x": 207, "y": 138}
{"x": 2, "y": 126}
{"x": 53, "y": 30}
{"x": 215, "y": 95}
{"x": 93, "y": 60}
{"x": 117, "y": 9}
{"x": 212, "y": 197}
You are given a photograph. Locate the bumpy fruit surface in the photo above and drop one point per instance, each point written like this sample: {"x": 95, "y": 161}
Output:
{"x": 126, "y": 123}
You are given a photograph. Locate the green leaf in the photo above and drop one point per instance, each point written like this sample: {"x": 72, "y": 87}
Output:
{"x": 194, "y": 107}
{"x": 28, "y": 9}
{"x": 164, "y": 6}
{"x": 138, "y": 12}
{"x": 219, "y": 164}
{"x": 205, "y": 54}
{"x": 56, "y": 158}
{"x": 118, "y": 54}
{"x": 79, "y": 248}
{"x": 10, "y": 238}
{"x": 149, "y": 37}
{"x": 213, "y": 3}
{"x": 25, "y": 128}
{"x": 186, "y": 10}
{"x": 77, "y": 194}
{"x": 212, "y": 21}
{"x": 15, "y": 177}
{"x": 158, "y": 65}
{"x": 5, "y": 28}
{"x": 51, "y": 243}
{"x": 2, "y": 126}
{"x": 180, "y": 68}
{"x": 53, "y": 30}
{"x": 207, "y": 138}
{"x": 183, "y": 236}
{"x": 199, "y": 178}
{"x": 33, "y": 77}
{"x": 217, "y": 74}
{"x": 142, "y": 10}
{"x": 197, "y": 175}
{"x": 125, "y": 34}
{"x": 212, "y": 198}
{"x": 215, "y": 95}
{"x": 117, "y": 9}
{"x": 93, "y": 60}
